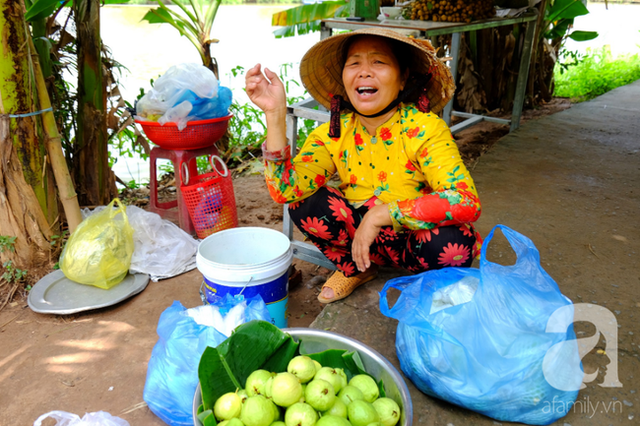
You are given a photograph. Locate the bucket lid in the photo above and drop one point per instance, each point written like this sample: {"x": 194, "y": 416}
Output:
{"x": 240, "y": 255}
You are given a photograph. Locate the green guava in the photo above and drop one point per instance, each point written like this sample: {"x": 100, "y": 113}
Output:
{"x": 320, "y": 394}
{"x": 256, "y": 411}
{"x": 343, "y": 377}
{"x": 332, "y": 376}
{"x": 302, "y": 367}
{"x": 227, "y": 406}
{"x": 338, "y": 409}
{"x": 362, "y": 413}
{"x": 286, "y": 389}
{"x": 243, "y": 395}
{"x": 300, "y": 414}
{"x": 256, "y": 382}
{"x": 317, "y": 364}
{"x": 367, "y": 385}
{"x": 388, "y": 410}
{"x": 268, "y": 387}
{"x": 276, "y": 411}
{"x": 278, "y": 423}
{"x": 349, "y": 394}
{"x": 331, "y": 420}
{"x": 232, "y": 422}
{"x": 304, "y": 389}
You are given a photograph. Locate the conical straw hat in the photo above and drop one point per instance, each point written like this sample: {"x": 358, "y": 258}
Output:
{"x": 321, "y": 67}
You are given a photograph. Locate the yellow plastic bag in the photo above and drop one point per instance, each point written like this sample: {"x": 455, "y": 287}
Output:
{"x": 99, "y": 252}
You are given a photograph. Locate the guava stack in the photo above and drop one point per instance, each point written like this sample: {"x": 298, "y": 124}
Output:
{"x": 307, "y": 394}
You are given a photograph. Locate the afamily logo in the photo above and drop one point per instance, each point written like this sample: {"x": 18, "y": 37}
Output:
{"x": 584, "y": 406}
{"x": 562, "y": 363}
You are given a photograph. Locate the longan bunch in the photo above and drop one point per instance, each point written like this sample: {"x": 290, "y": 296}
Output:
{"x": 452, "y": 10}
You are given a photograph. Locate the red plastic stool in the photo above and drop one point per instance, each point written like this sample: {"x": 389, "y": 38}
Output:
{"x": 176, "y": 210}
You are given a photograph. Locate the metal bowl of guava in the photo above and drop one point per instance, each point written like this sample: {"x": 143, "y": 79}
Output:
{"x": 374, "y": 363}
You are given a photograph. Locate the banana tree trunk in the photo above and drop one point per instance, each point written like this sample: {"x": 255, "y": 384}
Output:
{"x": 28, "y": 202}
{"x": 94, "y": 180}
{"x": 66, "y": 190}
{"x": 209, "y": 61}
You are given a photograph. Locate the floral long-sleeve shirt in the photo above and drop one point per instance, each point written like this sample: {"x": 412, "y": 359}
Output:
{"x": 412, "y": 164}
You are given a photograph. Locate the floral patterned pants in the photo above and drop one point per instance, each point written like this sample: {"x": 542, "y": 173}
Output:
{"x": 329, "y": 221}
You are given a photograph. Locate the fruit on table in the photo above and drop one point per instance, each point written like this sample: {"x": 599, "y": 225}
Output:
{"x": 452, "y": 10}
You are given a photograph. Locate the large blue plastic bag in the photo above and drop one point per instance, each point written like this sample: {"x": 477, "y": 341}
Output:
{"x": 490, "y": 353}
{"x": 184, "y": 334}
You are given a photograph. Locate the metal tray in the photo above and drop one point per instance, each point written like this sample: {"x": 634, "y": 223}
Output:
{"x": 56, "y": 294}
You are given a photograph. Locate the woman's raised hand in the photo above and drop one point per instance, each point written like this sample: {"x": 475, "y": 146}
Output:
{"x": 265, "y": 90}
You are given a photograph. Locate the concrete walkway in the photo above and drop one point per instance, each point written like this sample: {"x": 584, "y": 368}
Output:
{"x": 571, "y": 183}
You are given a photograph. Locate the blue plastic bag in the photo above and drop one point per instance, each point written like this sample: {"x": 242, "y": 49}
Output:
{"x": 489, "y": 353}
{"x": 172, "y": 372}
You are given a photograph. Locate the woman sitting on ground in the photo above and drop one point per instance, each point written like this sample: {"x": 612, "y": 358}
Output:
{"x": 405, "y": 198}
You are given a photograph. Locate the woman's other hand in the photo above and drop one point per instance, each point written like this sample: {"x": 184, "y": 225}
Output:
{"x": 372, "y": 222}
{"x": 265, "y": 90}
{"x": 268, "y": 93}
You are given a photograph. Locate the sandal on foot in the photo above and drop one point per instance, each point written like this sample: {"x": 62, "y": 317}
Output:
{"x": 343, "y": 286}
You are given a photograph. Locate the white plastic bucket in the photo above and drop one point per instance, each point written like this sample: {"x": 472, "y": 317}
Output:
{"x": 248, "y": 261}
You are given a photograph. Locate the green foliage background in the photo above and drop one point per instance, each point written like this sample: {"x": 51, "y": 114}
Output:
{"x": 585, "y": 77}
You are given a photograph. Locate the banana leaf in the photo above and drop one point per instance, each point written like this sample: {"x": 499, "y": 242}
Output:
{"x": 226, "y": 368}
{"x": 278, "y": 362}
{"x": 306, "y": 18}
{"x": 206, "y": 417}
{"x": 583, "y": 35}
{"x": 566, "y": 9}
{"x": 41, "y": 9}
{"x": 560, "y": 28}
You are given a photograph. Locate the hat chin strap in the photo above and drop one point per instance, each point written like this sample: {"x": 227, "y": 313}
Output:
{"x": 338, "y": 103}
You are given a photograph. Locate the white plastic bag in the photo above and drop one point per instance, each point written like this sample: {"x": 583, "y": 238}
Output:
{"x": 190, "y": 83}
{"x": 161, "y": 248}
{"x": 99, "y": 418}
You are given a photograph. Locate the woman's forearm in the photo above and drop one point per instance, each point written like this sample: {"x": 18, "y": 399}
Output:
{"x": 276, "y": 129}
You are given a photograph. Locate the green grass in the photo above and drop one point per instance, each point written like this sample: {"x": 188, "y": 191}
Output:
{"x": 594, "y": 74}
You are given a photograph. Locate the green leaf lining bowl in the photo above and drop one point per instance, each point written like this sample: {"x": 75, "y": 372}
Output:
{"x": 374, "y": 363}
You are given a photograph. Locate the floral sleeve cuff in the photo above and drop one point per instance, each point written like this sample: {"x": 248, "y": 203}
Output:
{"x": 276, "y": 156}
{"x": 396, "y": 216}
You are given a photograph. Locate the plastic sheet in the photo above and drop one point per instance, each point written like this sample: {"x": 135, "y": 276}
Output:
{"x": 99, "y": 418}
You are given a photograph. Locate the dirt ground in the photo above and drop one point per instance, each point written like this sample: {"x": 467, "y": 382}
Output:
{"x": 97, "y": 360}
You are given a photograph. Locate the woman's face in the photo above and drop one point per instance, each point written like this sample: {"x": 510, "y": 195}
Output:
{"x": 371, "y": 75}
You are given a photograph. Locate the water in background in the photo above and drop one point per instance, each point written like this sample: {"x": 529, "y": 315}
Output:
{"x": 618, "y": 26}
{"x": 246, "y": 38}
